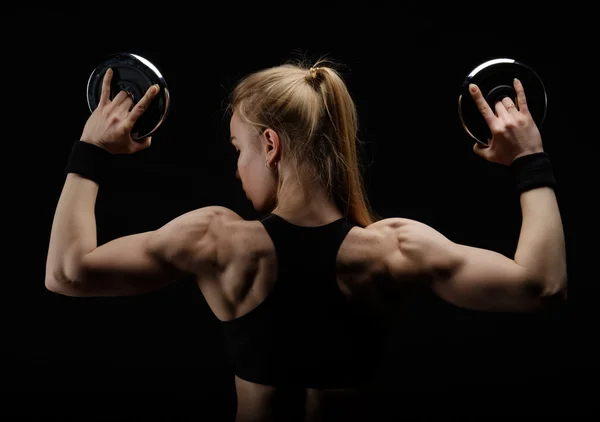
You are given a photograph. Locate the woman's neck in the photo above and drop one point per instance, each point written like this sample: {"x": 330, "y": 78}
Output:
{"x": 307, "y": 207}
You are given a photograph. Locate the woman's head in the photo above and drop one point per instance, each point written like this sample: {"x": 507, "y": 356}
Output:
{"x": 296, "y": 126}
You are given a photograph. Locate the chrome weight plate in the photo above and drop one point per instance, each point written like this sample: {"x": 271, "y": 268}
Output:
{"x": 134, "y": 74}
{"x": 495, "y": 80}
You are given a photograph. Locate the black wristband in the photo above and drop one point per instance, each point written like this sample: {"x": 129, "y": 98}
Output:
{"x": 532, "y": 171}
{"x": 89, "y": 161}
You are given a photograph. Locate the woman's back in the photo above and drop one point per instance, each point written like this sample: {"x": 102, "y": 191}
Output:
{"x": 299, "y": 335}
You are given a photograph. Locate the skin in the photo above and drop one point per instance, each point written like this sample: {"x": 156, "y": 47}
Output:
{"x": 234, "y": 261}
{"x": 304, "y": 204}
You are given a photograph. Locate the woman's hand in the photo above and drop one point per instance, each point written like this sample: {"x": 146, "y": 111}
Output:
{"x": 109, "y": 126}
{"x": 514, "y": 133}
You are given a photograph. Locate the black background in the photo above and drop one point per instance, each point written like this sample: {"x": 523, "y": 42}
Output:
{"x": 160, "y": 355}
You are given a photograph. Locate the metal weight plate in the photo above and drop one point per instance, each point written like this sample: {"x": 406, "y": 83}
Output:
{"x": 135, "y": 75}
{"x": 495, "y": 80}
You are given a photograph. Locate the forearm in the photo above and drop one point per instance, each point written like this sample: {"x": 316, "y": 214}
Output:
{"x": 541, "y": 246}
{"x": 73, "y": 233}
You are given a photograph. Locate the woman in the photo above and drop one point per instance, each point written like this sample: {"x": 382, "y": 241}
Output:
{"x": 292, "y": 290}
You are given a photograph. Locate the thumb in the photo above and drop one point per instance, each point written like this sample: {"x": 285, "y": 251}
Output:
{"x": 482, "y": 151}
{"x": 140, "y": 144}
{"x": 145, "y": 143}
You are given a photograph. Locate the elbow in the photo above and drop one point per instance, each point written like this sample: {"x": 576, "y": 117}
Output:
{"x": 553, "y": 294}
{"x": 52, "y": 278}
{"x": 64, "y": 280}
{"x": 556, "y": 285}
{"x": 53, "y": 285}
{"x": 560, "y": 289}
{"x": 61, "y": 285}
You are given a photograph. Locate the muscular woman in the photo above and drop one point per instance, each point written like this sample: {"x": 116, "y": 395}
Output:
{"x": 291, "y": 289}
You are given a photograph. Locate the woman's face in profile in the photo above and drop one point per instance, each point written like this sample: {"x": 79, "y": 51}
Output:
{"x": 258, "y": 182}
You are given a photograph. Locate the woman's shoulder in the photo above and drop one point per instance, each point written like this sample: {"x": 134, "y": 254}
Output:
{"x": 365, "y": 249}
{"x": 238, "y": 233}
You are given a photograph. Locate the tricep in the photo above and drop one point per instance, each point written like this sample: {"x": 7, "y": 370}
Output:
{"x": 468, "y": 277}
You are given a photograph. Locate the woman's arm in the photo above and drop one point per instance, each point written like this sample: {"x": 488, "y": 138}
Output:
{"x": 476, "y": 278}
{"x": 129, "y": 265}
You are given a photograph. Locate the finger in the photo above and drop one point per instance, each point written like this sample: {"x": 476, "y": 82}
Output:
{"x": 509, "y": 105}
{"x": 129, "y": 101}
{"x": 482, "y": 104}
{"x": 105, "y": 93}
{"x": 143, "y": 104}
{"x": 501, "y": 110}
{"x": 123, "y": 97}
{"x": 521, "y": 99}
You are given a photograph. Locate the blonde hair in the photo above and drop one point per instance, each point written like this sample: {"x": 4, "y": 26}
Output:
{"x": 313, "y": 113}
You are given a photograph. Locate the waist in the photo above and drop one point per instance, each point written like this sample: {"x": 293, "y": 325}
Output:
{"x": 326, "y": 376}
{"x": 338, "y": 362}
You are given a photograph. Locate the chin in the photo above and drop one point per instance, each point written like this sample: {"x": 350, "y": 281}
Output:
{"x": 263, "y": 206}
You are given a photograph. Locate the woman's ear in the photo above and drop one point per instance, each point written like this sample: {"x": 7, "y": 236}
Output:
{"x": 272, "y": 144}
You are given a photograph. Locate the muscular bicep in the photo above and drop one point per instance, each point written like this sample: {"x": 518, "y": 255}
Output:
{"x": 125, "y": 266}
{"x": 465, "y": 276}
{"x": 143, "y": 262}
{"x": 485, "y": 280}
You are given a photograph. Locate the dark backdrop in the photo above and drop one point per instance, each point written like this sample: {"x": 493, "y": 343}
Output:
{"x": 161, "y": 355}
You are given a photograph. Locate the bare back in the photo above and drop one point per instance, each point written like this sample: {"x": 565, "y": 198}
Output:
{"x": 242, "y": 276}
